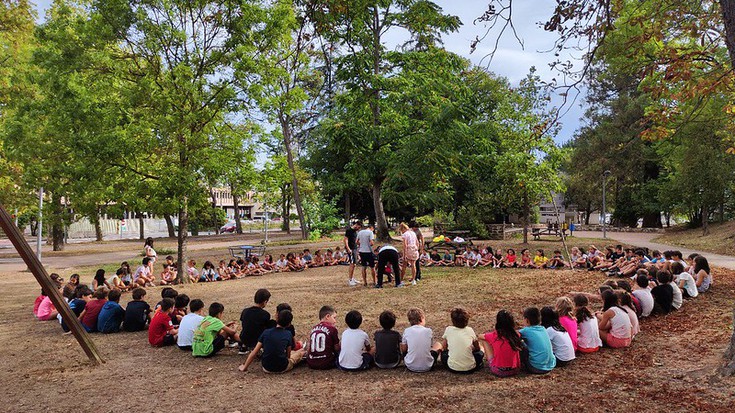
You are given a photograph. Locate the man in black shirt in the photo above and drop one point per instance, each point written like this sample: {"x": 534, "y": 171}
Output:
{"x": 351, "y": 249}
{"x": 254, "y": 321}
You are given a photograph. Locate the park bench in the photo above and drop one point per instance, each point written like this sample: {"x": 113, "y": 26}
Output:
{"x": 245, "y": 251}
{"x": 551, "y": 229}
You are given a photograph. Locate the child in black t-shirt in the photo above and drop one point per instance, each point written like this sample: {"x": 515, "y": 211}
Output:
{"x": 663, "y": 293}
{"x": 387, "y": 342}
{"x": 254, "y": 321}
{"x": 137, "y": 313}
{"x": 275, "y": 342}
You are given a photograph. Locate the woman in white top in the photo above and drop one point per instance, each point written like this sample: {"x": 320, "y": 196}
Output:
{"x": 149, "y": 251}
{"x": 615, "y": 327}
{"x": 410, "y": 251}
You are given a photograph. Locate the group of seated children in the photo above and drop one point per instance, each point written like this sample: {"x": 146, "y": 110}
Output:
{"x": 486, "y": 257}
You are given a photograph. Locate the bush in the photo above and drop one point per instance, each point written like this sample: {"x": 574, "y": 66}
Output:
{"x": 322, "y": 217}
{"x": 425, "y": 221}
{"x": 472, "y": 220}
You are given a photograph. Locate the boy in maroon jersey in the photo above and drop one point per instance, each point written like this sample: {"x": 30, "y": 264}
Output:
{"x": 324, "y": 341}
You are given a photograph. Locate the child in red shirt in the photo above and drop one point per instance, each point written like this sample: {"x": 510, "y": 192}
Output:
{"x": 161, "y": 331}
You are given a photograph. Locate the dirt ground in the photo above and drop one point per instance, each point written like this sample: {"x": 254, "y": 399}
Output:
{"x": 670, "y": 367}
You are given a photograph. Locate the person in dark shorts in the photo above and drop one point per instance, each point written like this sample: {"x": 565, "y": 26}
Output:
{"x": 161, "y": 331}
{"x": 388, "y": 255}
{"x": 350, "y": 242}
{"x": 278, "y": 357}
{"x": 365, "y": 241}
{"x": 254, "y": 321}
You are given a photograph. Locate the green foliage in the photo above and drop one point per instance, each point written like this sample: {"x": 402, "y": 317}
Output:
{"x": 322, "y": 217}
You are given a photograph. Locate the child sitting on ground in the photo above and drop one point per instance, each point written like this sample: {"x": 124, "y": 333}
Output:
{"x": 663, "y": 294}
{"x": 588, "y": 339}
{"x": 616, "y": 330}
{"x": 685, "y": 281}
{"x": 254, "y": 321}
{"x": 564, "y": 308}
{"x": 211, "y": 334}
{"x": 460, "y": 348}
{"x": 100, "y": 280}
{"x": 540, "y": 260}
{"x": 537, "y": 357}
{"x": 502, "y": 346}
{"x": 189, "y": 324}
{"x": 355, "y": 353}
{"x": 387, "y": 342}
{"x": 419, "y": 353}
{"x": 137, "y": 313}
{"x": 526, "y": 261}
{"x": 642, "y": 292}
{"x": 46, "y": 310}
{"x": 112, "y": 314}
{"x": 161, "y": 331}
{"x": 557, "y": 261}
{"x": 208, "y": 273}
{"x": 180, "y": 303}
{"x": 222, "y": 272}
{"x": 82, "y": 295}
{"x": 509, "y": 261}
{"x": 278, "y": 357}
{"x": 168, "y": 275}
{"x": 561, "y": 343}
{"x": 192, "y": 272}
{"x": 324, "y": 341}
{"x": 91, "y": 312}
{"x": 297, "y": 345}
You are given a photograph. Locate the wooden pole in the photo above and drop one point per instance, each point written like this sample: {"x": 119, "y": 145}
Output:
{"x": 38, "y": 270}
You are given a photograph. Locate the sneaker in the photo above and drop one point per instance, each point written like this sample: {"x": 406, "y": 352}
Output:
{"x": 234, "y": 344}
{"x": 377, "y": 286}
{"x": 400, "y": 285}
{"x": 352, "y": 282}
{"x": 243, "y": 351}
{"x": 413, "y": 282}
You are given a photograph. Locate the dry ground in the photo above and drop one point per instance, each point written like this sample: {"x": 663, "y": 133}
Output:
{"x": 670, "y": 367}
{"x": 721, "y": 239}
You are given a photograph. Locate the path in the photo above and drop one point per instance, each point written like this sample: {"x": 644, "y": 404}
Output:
{"x": 642, "y": 239}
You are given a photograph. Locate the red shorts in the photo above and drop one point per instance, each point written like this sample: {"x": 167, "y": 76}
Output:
{"x": 615, "y": 342}
{"x": 587, "y": 350}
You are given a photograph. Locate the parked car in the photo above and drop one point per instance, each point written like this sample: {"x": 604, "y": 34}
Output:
{"x": 228, "y": 227}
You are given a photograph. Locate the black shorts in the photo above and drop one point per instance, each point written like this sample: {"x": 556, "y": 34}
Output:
{"x": 367, "y": 259}
{"x": 168, "y": 340}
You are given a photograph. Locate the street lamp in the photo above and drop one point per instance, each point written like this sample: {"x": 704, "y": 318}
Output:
{"x": 604, "y": 209}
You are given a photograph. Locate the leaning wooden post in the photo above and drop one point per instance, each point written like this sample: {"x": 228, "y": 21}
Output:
{"x": 29, "y": 257}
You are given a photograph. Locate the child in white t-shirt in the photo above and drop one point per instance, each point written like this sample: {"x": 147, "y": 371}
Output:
{"x": 684, "y": 280}
{"x": 419, "y": 354}
{"x": 355, "y": 353}
{"x": 189, "y": 324}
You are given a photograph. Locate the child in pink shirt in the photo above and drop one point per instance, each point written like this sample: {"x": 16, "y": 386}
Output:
{"x": 564, "y": 308}
{"x": 502, "y": 347}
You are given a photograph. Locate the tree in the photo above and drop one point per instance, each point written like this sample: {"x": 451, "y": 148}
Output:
{"x": 368, "y": 70}
{"x": 184, "y": 54}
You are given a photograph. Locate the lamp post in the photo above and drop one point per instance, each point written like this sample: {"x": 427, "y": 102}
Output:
{"x": 604, "y": 209}
{"x": 39, "y": 228}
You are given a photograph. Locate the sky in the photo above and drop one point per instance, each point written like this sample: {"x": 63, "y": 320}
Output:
{"x": 511, "y": 60}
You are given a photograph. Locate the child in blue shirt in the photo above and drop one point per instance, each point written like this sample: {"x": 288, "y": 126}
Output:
{"x": 537, "y": 357}
{"x": 112, "y": 314}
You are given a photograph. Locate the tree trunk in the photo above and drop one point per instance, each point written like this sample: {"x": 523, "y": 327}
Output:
{"x": 728, "y": 18}
{"x": 286, "y": 129}
{"x": 652, "y": 220}
{"x": 97, "y": 227}
{"x": 588, "y": 212}
{"x": 236, "y": 204}
{"x": 170, "y": 226}
{"x": 526, "y": 216}
{"x": 383, "y": 234}
{"x": 348, "y": 213}
{"x": 722, "y": 213}
{"x": 181, "y": 274}
{"x": 57, "y": 226}
{"x": 705, "y": 220}
{"x": 141, "y": 223}
{"x": 285, "y": 211}
{"x": 214, "y": 206}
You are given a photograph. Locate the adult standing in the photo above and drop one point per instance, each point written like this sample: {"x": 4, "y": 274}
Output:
{"x": 365, "y": 241}
{"x": 351, "y": 249}
{"x": 149, "y": 251}
{"x": 420, "y": 238}
{"x": 410, "y": 251}
{"x": 388, "y": 255}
